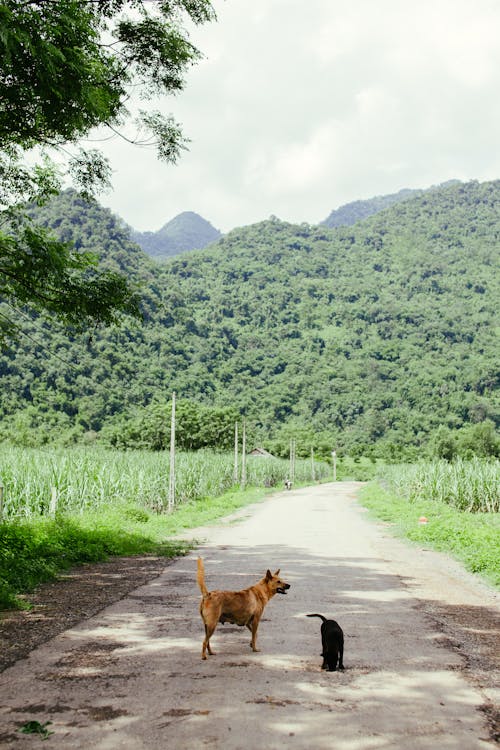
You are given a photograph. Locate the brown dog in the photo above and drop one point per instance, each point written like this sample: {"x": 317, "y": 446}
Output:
{"x": 238, "y": 607}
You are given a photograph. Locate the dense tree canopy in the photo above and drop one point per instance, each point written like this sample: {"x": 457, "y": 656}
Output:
{"x": 67, "y": 67}
{"x": 378, "y": 338}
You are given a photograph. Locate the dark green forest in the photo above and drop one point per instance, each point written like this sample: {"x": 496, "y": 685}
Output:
{"x": 379, "y": 338}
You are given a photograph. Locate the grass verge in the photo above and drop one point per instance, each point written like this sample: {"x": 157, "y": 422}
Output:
{"x": 472, "y": 538}
{"x": 35, "y": 551}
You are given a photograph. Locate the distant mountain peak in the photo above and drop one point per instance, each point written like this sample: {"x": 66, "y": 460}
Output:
{"x": 186, "y": 231}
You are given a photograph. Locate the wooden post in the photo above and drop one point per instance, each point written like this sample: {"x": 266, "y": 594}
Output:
{"x": 334, "y": 459}
{"x": 171, "y": 477}
{"x": 292, "y": 460}
{"x": 312, "y": 465}
{"x": 1, "y": 503}
{"x": 53, "y": 502}
{"x": 235, "y": 472}
{"x": 244, "y": 456}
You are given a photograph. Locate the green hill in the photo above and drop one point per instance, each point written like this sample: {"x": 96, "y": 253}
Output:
{"x": 370, "y": 338}
{"x": 187, "y": 231}
{"x": 350, "y": 213}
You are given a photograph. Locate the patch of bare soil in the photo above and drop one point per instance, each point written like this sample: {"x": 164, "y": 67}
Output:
{"x": 75, "y": 596}
{"x": 474, "y": 633}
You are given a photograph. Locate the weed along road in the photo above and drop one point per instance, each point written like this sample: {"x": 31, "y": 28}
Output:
{"x": 417, "y": 674}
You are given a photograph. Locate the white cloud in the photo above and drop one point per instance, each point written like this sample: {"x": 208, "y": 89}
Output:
{"x": 300, "y": 107}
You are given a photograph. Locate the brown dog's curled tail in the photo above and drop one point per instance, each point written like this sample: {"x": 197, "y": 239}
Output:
{"x": 200, "y": 577}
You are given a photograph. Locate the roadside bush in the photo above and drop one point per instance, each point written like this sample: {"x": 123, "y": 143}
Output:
{"x": 479, "y": 440}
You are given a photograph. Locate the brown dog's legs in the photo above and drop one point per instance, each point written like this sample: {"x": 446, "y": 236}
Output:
{"x": 206, "y": 643}
{"x": 253, "y": 627}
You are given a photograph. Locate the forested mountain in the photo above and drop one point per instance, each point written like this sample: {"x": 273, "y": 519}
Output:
{"x": 350, "y": 213}
{"x": 187, "y": 231}
{"x": 370, "y": 338}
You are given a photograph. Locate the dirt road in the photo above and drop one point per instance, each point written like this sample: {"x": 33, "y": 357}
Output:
{"x": 419, "y": 656}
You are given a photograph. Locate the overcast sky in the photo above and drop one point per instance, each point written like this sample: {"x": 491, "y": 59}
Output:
{"x": 301, "y": 106}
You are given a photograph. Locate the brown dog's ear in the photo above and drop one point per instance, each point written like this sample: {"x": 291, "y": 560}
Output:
{"x": 277, "y": 572}
{"x": 269, "y": 575}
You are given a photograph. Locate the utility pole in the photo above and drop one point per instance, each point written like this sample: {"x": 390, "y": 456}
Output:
{"x": 235, "y": 472}
{"x": 53, "y": 501}
{"x": 292, "y": 460}
{"x": 244, "y": 456}
{"x": 171, "y": 477}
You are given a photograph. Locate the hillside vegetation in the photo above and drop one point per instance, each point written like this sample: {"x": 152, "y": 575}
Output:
{"x": 378, "y": 338}
{"x": 351, "y": 213}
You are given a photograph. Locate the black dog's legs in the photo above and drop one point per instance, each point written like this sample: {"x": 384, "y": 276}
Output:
{"x": 331, "y": 662}
{"x": 333, "y": 657}
{"x": 330, "y": 657}
{"x": 341, "y": 656}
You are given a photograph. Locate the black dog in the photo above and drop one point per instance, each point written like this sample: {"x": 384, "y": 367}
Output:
{"x": 332, "y": 639}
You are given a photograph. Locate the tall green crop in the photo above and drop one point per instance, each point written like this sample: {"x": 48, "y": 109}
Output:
{"x": 89, "y": 479}
{"x": 472, "y": 486}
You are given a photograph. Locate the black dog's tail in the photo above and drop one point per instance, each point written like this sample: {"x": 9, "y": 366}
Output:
{"x": 316, "y": 615}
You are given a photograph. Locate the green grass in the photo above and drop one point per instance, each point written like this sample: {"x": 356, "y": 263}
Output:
{"x": 36, "y": 550}
{"x": 114, "y": 503}
{"x": 110, "y": 504}
{"x": 472, "y": 538}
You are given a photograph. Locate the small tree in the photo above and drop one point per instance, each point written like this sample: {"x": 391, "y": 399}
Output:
{"x": 67, "y": 67}
{"x": 479, "y": 440}
{"x": 443, "y": 444}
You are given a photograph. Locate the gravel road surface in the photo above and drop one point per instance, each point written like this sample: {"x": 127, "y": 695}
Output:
{"x": 421, "y": 647}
